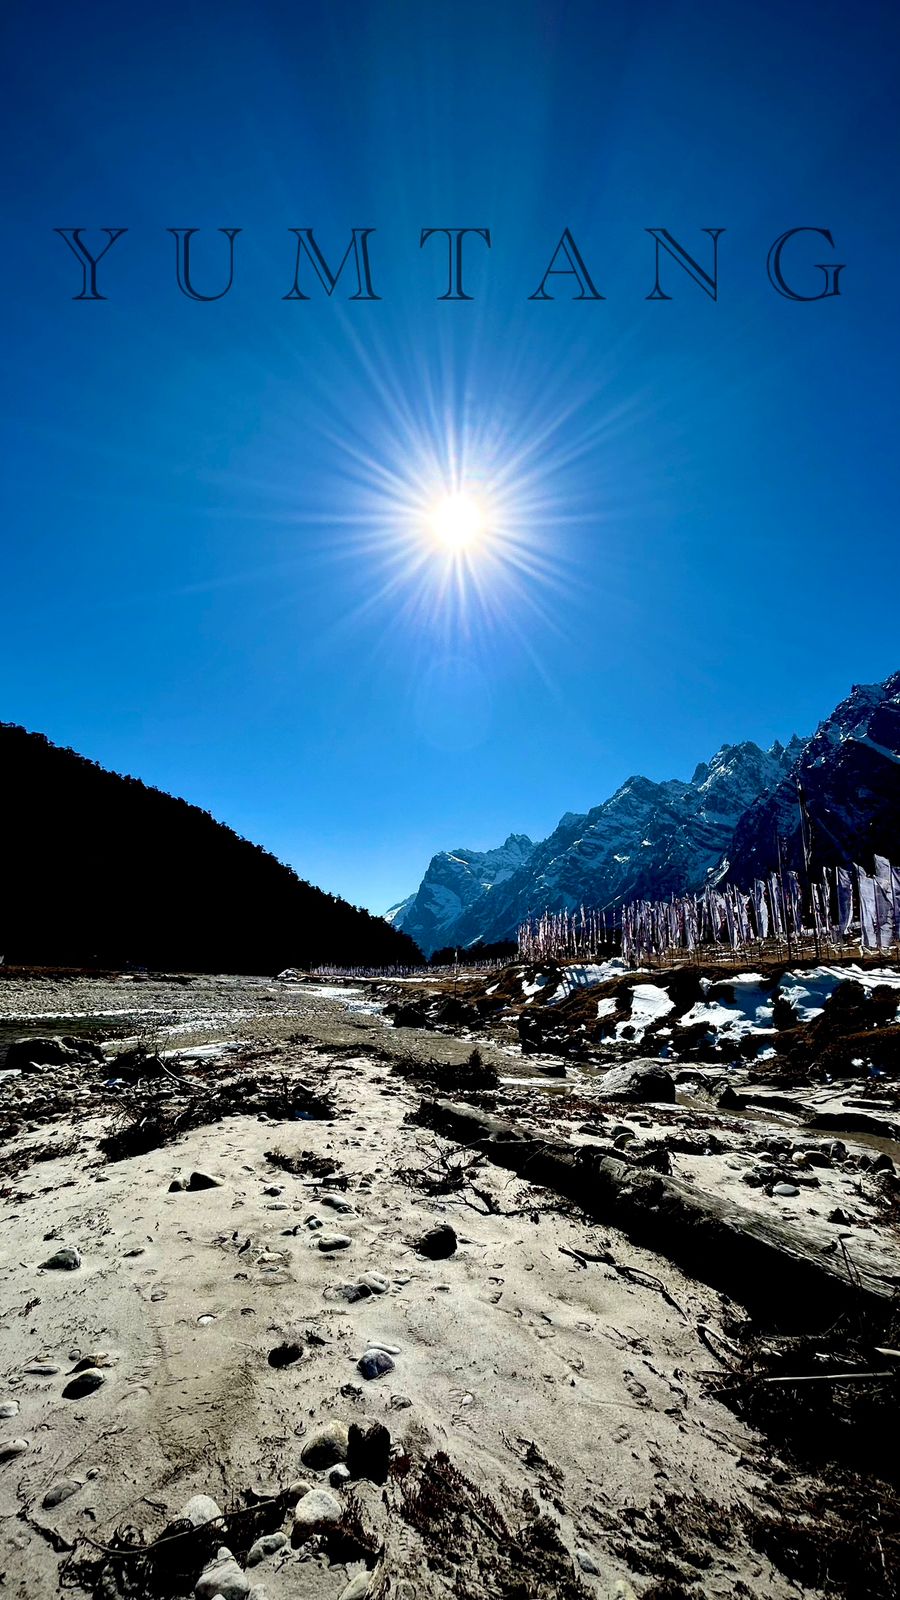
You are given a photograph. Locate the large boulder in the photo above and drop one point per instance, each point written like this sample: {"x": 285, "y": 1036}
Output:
{"x": 87, "y": 1049}
{"x": 645, "y": 1080}
{"x": 454, "y": 1012}
{"x": 45, "y": 1052}
{"x": 410, "y": 1016}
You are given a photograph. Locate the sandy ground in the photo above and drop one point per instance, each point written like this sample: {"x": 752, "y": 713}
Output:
{"x": 550, "y": 1386}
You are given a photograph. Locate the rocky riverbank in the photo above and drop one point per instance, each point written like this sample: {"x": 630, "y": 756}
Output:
{"x": 266, "y": 1330}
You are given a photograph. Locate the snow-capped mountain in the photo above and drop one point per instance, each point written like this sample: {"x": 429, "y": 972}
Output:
{"x": 649, "y": 839}
{"x": 654, "y": 839}
{"x": 454, "y": 881}
{"x": 849, "y": 772}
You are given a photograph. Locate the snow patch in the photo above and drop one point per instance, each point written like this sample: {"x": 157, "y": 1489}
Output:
{"x": 539, "y": 982}
{"x": 648, "y": 1003}
{"x": 584, "y": 976}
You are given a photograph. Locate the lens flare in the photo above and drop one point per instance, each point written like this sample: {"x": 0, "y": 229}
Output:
{"x": 458, "y": 521}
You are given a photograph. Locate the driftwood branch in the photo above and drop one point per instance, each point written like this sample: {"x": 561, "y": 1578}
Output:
{"x": 636, "y": 1275}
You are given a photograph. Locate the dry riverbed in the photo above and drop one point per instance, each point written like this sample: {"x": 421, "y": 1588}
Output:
{"x": 236, "y": 1263}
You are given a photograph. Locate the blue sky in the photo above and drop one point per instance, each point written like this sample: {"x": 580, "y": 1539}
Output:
{"x": 216, "y": 572}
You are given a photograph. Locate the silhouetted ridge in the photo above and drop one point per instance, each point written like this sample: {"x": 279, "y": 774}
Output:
{"x": 101, "y": 869}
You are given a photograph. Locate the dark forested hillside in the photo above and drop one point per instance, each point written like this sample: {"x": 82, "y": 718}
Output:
{"x": 97, "y": 868}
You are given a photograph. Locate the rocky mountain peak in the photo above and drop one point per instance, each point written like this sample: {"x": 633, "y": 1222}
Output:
{"x": 651, "y": 839}
{"x": 850, "y": 775}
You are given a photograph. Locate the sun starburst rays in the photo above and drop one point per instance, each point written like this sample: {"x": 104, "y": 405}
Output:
{"x": 454, "y": 543}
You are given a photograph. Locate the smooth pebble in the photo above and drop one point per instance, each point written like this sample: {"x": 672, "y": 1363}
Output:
{"x": 374, "y": 1364}
{"x": 200, "y": 1509}
{"x": 314, "y": 1511}
{"x": 63, "y": 1260}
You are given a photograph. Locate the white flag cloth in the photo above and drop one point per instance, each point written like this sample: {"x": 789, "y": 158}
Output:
{"x": 820, "y": 909}
{"x": 845, "y": 899}
{"x": 778, "y": 922}
{"x": 732, "y": 917}
{"x": 762, "y": 909}
{"x": 868, "y": 914}
{"x": 882, "y": 873}
{"x": 884, "y": 913}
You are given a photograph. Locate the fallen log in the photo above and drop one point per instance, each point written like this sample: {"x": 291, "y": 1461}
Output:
{"x": 767, "y": 1265}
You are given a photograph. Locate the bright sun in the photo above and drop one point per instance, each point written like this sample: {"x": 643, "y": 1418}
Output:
{"x": 458, "y": 521}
